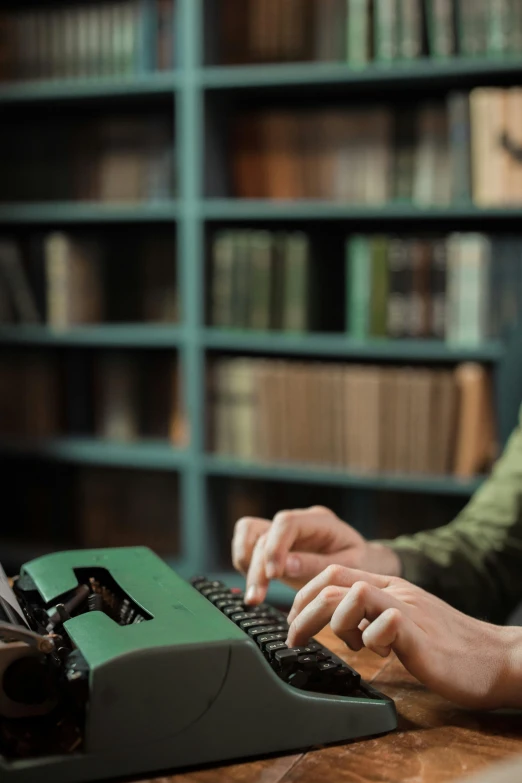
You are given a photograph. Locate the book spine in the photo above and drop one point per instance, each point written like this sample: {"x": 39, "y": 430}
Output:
{"x": 498, "y": 24}
{"x": 165, "y": 35}
{"x": 441, "y": 31}
{"x": 438, "y": 289}
{"x": 460, "y": 146}
{"x": 222, "y": 270}
{"x": 386, "y": 19}
{"x": 397, "y": 306}
{"x": 410, "y": 38}
{"x": 359, "y": 286}
{"x": 358, "y": 33}
{"x": 295, "y": 313}
{"x": 261, "y": 277}
{"x": 379, "y": 292}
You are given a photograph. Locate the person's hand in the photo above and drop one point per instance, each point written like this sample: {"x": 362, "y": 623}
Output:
{"x": 298, "y": 545}
{"x": 468, "y": 661}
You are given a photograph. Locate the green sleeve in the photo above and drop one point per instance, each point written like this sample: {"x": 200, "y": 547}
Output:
{"x": 475, "y": 562}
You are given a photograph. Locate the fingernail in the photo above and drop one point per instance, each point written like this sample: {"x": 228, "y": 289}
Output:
{"x": 251, "y": 595}
{"x": 293, "y": 565}
{"x": 271, "y": 570}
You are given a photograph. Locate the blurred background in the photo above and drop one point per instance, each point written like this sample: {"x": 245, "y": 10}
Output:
{"x": 254, "y": 255}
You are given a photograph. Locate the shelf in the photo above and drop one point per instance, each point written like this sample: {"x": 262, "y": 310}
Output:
{"x": 330, "y": 476}
{"x": 121, "y": 335}
{"x": 153, "y": 455}
{"x": 280, "y": 75}
{"x": 57, "y": 212}
{"x": 100, "y": 87}
{"x": 307, "y": 209}
{"x": 338, "y": 345}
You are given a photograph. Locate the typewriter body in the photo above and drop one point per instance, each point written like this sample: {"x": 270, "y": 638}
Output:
{"x": 120, "y": 667}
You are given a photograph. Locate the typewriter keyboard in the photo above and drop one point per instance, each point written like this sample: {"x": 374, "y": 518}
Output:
{"x": 311, "y": 667}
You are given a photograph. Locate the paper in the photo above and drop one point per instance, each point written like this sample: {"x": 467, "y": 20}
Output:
{"x": 9, "y": 601}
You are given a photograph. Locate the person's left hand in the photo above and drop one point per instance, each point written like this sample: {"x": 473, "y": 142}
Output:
{"x": 466, "y": 660}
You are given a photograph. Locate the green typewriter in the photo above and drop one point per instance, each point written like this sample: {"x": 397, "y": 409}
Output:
{"x": 111, "y": 665}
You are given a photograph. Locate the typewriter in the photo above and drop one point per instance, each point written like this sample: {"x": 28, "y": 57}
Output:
{"x": 112, "y": 665}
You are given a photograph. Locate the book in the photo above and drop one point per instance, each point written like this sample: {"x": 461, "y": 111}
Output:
{"x": 441, "y": 28}
{"x": 410, "y": 29}
{"x": 386, "y": 34}
{"x": 296, "y": 283}
{"x": 358, "y": 259}
{"x": 15, "y": 285}
{"x": 117, "y": 408}
{"x": 74, "y": 284}
{"x": 359, "y": 34}
{"x": 474, "y": 429}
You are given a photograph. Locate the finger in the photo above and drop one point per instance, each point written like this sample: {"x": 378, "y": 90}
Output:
{"x": 257, "y": 583}
{"x": 246, "y": 533}
{"x": 287, "y": 528}
{"x": 316, "y": 615}
{"x": 304, "y": 566}
{"x": 333, "y": 575}
{"x": 363, "y": 602}
{"x": 391, "y": 630}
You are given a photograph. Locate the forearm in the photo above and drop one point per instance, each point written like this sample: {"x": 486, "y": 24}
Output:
{"x": 475, "y": 562}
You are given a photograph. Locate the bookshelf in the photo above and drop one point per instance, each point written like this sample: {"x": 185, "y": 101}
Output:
{"x": 201, "y": 94}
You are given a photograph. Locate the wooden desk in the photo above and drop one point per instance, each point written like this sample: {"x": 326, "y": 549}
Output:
{"x": 435, "y": 742}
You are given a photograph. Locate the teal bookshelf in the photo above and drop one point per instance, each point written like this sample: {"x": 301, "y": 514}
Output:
{"x": 190, "y": 89}
{"x": 117, "y": 336}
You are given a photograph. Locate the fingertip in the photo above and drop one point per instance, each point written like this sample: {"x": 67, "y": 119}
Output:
{"x": 254, "y": 595}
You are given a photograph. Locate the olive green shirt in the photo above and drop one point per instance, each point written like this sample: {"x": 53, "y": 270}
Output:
{"x": 475, "y": 562}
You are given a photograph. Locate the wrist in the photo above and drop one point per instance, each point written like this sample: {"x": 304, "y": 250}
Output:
{"x": 381, "y": 559}
{"x": 510, "y": 677}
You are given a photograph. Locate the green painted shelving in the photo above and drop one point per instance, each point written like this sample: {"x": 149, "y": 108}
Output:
{"x": 154, "y": 455}
{"x": 144, "y": 85}
{"x": 307, "y": 209}
{"x": 59, "y": 213}
{"x": 121, "y": 335}
{"x": 331, "y": 476}
{"x": 451, "y": 72}
{"x": 188, "y": 92}
{"x": 341, "y": 346}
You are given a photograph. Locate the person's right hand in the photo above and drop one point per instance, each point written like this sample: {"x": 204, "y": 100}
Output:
{"x": 298, "y": 545}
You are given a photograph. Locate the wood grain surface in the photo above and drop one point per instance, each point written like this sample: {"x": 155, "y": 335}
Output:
{"x": 435, "y": 742}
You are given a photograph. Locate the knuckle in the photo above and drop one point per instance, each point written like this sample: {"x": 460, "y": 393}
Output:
{"x": 242, "y": 525}
{"x": 360, "y": 591}
{"x": 320, "y": 510}
{"x": 330, "y": 594}
{"x": 334, "y": 573}
{"x": 283, "y": 520}
{"x": 338, "y": 624}
{"x": 393, "y": 618}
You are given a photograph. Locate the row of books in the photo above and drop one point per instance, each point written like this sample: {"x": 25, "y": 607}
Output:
{"x": 65, "y": 279}
{"x": 116, "y": 396}
{"x": 464, "y": 149}
{"x": 363, "y": 31}
{"x": 107, "y": 158}
{"x": 260, "y": 280}
{"x": 466, "y": 288}
{"x": 365, "y": 419}
{"x": 79, "y": 40}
